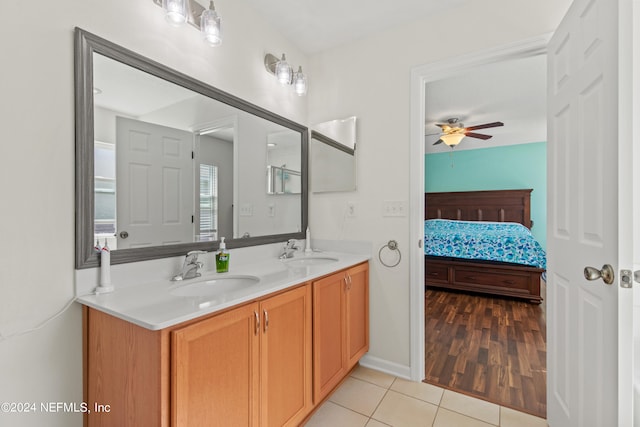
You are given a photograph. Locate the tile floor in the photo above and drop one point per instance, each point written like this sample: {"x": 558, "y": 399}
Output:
{"x": 371, "y": 398}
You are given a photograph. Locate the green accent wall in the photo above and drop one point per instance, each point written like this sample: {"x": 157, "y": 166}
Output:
{"x": 497, "y": 168}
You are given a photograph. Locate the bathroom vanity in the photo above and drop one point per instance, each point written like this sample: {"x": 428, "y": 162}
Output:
{"x": 265, "y": 356}
{"x": 261, "y": 345}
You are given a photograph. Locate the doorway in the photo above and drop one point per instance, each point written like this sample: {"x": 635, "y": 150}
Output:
{"x": 419, "y": 78}
{"x": 490, "y": 347}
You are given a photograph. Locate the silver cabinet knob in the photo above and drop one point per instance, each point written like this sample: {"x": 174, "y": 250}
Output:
{"x": 124, "y": 234}
{"x": 606, "y": 274}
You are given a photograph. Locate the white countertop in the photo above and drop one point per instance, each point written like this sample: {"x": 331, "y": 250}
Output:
{"x": 152, "y": 306}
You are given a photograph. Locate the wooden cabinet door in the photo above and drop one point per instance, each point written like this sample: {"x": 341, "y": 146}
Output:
{"x": 328, "y": 334}
{"x": 215, "y": 370}
{"x": 357, "y": 313}
{"x": 285, "y": 354}
{"x": 340, "y": 326}
{"x": 127, "y": 367}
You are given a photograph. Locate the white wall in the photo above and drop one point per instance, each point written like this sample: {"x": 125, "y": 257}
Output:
{"x": 370, "y": 79}
{"x": 37, "y": 165}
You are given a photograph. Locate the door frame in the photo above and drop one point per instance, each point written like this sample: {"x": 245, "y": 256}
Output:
{"x": 421, "y": 75}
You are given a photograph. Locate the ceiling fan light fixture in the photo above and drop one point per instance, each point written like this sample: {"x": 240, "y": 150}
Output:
{"x": 452, "y": 139}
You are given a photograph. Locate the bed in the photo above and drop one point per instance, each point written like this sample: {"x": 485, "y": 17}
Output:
{"x": 477, "y": 215}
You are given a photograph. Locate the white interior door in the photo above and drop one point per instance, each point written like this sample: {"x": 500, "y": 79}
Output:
{"x": 588, "y": 224}
{"x": 154, "y": 188}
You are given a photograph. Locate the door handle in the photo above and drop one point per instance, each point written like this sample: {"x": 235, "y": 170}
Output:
{"x": 606, "y": 274}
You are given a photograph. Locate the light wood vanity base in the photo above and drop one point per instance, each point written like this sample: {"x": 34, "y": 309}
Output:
{"x": 266, "y": 362}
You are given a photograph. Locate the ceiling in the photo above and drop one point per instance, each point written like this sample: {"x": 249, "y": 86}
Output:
{"x": 512, "y": 92}
{"x": 315, "y": 25}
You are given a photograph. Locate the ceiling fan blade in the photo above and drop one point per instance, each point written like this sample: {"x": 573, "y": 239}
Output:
{"x": 438, "y": 142}
{"x": 478, "y": 135}
{"x": 485, "y": 126}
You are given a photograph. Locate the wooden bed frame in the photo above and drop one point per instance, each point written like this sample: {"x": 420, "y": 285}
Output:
{"x": 488, "y": 277}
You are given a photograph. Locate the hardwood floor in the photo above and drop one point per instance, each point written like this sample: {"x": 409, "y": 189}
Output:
{"x": 487, "y": 347}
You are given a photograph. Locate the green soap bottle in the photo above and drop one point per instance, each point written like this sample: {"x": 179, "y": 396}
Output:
{"x": 222, "y": 257}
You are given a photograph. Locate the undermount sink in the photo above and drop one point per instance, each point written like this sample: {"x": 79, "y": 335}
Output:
{"x": 305, "y": 261}
{"x": 214, "y": 287}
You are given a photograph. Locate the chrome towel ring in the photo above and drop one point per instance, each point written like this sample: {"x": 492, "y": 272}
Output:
{"x": 392, "y": 245}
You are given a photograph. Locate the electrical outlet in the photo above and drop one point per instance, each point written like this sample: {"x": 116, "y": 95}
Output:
{"x": 394, "y": 208}
{"x": 271, "y": 210}
{"x": 351, "y": 209}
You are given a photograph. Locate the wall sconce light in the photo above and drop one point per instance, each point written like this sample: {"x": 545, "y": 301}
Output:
{"x": 284, "y": 73}
{"x": 207, "y": 21}
{"x": 210, "y": 26}
{"x": 175, "y": 11}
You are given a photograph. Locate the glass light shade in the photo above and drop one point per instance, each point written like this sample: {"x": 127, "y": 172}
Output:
{"x": 452, "y": 139}
{"x": 176, "y": 11}
{"x": 284, "y": 72}
{"x": 300, "y": 82}
{"x": 210, "y": 26}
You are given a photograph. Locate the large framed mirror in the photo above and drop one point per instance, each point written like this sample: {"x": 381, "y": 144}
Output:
{"x": 166, "y": 164}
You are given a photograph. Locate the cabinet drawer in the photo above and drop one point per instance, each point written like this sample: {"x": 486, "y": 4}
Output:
{"x": 436, "y": 273}
{"x": 491, "y": 279}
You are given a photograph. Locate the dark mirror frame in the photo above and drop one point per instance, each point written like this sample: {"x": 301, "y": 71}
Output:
{"x": 332, "y": 142}
{"x": 86, "y": 257}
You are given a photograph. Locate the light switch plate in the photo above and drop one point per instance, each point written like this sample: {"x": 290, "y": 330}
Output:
{"x": 246, "y": 210}
{"x": 394, "y": 208}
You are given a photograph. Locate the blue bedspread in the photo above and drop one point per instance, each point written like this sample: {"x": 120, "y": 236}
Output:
{"x": 491, "y": 241}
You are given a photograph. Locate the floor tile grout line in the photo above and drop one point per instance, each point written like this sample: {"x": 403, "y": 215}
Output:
{"x": 348, "y": 409}
{"x": 378, "y": 405}
{"x": 371, "y": 382}
{"x": 470, "y": 416}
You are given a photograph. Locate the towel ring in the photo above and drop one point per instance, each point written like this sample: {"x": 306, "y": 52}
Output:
{"x": 393, "y": 246}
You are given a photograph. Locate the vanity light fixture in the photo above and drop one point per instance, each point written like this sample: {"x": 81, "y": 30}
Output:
{"x": 300, "y": 82}
{"x": 207, "y": 21}
{"x": 210, "y": 26}
{"x": 285, "y": 74}
{"x": 175, "y": 11}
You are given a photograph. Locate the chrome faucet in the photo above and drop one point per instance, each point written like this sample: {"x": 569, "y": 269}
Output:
{"x": 191, "y": 266}
{"x": 290, "y": 247}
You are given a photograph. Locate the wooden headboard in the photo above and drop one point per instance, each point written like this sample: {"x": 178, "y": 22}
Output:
{"x": 494, "y": 205}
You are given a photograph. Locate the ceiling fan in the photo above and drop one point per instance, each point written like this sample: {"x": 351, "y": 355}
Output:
{"x": 453, "y": 131}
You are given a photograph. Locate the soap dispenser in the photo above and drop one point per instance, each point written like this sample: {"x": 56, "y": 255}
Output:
{"x": 222, "y": 257}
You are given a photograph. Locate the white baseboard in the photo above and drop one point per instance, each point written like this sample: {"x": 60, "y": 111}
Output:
{"x": 385, "y": 366}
